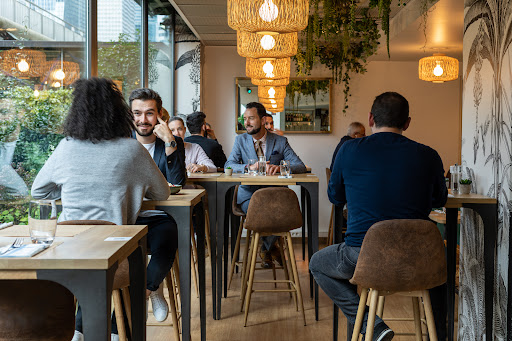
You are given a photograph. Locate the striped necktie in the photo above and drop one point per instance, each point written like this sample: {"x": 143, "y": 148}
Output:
{"x": 259, "y": 150}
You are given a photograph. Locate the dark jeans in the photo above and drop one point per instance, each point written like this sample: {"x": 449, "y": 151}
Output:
{"x": 162, "y": 240}
{"x": 333, "y": 266}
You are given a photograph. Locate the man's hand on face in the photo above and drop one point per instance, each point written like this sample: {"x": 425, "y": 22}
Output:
{"x": 163, "y": 132}
{"x": 272, "y": 169}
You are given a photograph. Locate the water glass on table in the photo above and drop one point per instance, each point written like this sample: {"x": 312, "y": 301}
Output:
{"x": 285, "y": 168}
{"x": 42, "y": 221}
{"x": 251, "y": 163}
{"x": 262, "y": 166}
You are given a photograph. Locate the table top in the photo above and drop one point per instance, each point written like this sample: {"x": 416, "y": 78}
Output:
{"x": 185, "y": 197}
{"x": 457, "y": 200}
{"x": 85, "y": 248}
{"x": 247, "y": 179}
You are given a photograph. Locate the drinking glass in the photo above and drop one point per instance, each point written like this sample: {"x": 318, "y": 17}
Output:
{"x": 262, "y": 166}
{"x": 42, "y": 221}
{"x": 285, "y": 168}
{"x": 252, "y": 172}
{"x": 456, "y": 173}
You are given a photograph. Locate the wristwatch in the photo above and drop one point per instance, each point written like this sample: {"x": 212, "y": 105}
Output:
{"x": 171, "y": 144}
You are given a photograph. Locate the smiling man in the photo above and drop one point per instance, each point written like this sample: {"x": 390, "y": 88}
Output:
{"x": 169, "y": 154}
{"x": 274, "y": 148}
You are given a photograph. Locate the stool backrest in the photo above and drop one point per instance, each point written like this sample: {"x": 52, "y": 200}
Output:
{"x": 401, "y": 255}
{"x": 273, "y": 209}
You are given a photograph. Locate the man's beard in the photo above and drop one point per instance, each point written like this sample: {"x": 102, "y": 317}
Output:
{"x": 254, "y": 131}
{"x": 148, "y": 133}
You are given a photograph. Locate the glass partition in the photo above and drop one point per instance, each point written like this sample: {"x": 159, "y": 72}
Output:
{"x": 306, "y": 107}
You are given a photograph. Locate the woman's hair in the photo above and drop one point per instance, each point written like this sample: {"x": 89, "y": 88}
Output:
{"x": 98, "y": 112}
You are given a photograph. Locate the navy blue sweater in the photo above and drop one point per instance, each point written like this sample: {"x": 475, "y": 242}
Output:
{"x": 385, "y": 176}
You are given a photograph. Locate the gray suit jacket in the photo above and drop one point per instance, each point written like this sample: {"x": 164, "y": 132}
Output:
{"x": 277, "y": 149}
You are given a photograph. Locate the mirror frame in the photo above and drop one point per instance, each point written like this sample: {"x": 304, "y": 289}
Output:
{"x": 237, "y": 105}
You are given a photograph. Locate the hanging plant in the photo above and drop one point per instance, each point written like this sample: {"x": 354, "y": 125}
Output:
{"x": 342, "y": 37}
{"x": 305, "y": 87}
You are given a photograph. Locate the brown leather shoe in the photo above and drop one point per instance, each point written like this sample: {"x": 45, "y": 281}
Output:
{"x": 276, "y": 254}
{"x": 266, "y": 259}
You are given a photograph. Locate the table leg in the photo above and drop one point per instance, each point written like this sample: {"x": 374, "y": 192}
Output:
{"x": 93, "y": 290}
{"x": 222, "y": 189}
{"x": 451, "y": 247}
{"x": 338, "y": 214}
{"x": 211, "y": 189}
{"x": 228, "y": 216}
{"x": 303, "y": 204}
{"x": 200, "y": 233}
{"x": 312, "y": 191}
{"x": 489, "y": 214}
{"x": 138, "y": 265}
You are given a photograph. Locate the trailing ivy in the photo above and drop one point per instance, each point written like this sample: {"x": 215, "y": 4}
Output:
{"x": 342, "y": 37}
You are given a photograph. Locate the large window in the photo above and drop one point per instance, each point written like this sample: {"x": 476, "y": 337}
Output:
{"x": 42, "y": 52}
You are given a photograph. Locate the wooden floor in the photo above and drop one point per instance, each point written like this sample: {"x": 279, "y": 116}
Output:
{"x": 272, "y": 316}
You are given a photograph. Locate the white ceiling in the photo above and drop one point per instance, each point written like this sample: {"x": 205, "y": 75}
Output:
{"x": 208, "y": 20}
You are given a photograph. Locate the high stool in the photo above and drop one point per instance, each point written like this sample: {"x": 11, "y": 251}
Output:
{"x": 237, "y": 210}
{"x": 273, "y": 211}
{"x": 402, "y": 256}
{"x": 121, "y": 287}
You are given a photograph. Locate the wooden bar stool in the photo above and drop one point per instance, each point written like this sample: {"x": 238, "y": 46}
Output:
{"x": 234, "y": 260}
{"x": 401, "y": 256}
{"x": 121, "y": 287}
{"x": 273, "y": 211}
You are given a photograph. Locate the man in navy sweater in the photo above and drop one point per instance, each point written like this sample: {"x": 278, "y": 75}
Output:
{"x": 380, "y": 177}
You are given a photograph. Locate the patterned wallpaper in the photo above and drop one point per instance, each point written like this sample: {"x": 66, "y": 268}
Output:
{"x": 486, "y": 157}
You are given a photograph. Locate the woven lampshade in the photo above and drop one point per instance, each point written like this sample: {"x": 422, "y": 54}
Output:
{"x": 438, "y": 68}
{"x": 256, "y": 45}
{"x": 23, "y": 63}
{"x": 275, "y": 110}
{"x": 270, "y": 101}
{"x": 270, "y": 69}
{"x": 274, "y": 92}
{"x": 282, "y": 16}
{"x": 71, "y": 72}
{"x": 270, "y": 82}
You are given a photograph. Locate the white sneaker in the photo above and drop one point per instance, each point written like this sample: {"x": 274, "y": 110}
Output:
{"x": 159, "y": 304}
{"x": 78, "y": 336}
{"x": 114, "y": 337}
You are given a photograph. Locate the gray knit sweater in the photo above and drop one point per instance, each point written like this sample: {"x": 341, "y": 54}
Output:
{"x": 100, "y": 181}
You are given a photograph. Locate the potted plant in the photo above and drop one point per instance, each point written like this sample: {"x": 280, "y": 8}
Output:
{"x": 465, "y": 186}
{"x": 228, "y": 171}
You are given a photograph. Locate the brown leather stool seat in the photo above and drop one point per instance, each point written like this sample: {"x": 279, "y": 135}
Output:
{"x": 273, "y": 211}
{"x": 405, "y": 256}
{"x": 36, "y": 310}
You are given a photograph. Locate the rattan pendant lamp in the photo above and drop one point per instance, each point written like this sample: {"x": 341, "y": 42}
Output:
{"x": 23, "y": 63}
{"x": 62, "y": 72}
{"x": 254, "y": 45}
{"x": 268, "y": 68}
{"x": 270, "y": 82}
{"x": 438, "y": 68}
{"x": 271, "y": 92}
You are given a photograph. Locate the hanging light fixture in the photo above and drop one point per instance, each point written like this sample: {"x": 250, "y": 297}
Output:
{"x": 23, "y": 63}
{"x": 256, "y": 45}
{"x": 438, "y": 68}
{"x": 63, "y": 72}
{"x": 270, "y": 82}
{"x": 271, "y": 92}
{"x": 268, "y": 68}
{"x": 270, "y": 103}
{"x": 279, "y": 16}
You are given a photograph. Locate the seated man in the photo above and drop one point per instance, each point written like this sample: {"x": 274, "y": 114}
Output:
{"x": 355, "y": 130}
{"x": 269, "y": 125}
{"x": 197, "y": 128}
{"x": 196, "y": 159}
{"x": 168, "y": 152}
{"x": 259, "y": 142}
{"x": 380, "y": 177}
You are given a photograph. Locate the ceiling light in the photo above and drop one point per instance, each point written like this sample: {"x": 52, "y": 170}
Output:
{"x": 438, "y": 68}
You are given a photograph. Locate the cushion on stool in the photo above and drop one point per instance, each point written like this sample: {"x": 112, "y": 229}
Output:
{"x": 273, "y": 210}
{"x": 36, "y": 310}
{"x": 401, "y": 255}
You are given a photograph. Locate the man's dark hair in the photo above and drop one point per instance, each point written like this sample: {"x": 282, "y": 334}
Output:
{"x": 146, "y": 94}
{"x": 390, "y": 109}
{"x": 195, "y": 122}
{"x": 176, "y": 118}
{"x": 259, "y": 108}
{"x": 268, "y": 115}
{"x": 98, "y": 112}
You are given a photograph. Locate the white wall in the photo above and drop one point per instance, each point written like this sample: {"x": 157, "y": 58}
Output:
{"x": 434, "y": 108}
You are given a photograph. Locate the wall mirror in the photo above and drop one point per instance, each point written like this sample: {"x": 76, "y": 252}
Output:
{"x": 307, "y": 106}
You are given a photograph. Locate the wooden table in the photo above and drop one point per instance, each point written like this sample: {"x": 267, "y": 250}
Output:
{"x": 487, "y": 208}
{"x": 82, "y": 261}
{"x": 180, "y": 206}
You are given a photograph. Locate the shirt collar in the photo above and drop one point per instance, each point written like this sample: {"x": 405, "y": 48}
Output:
{"x": 263, "y": 139}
